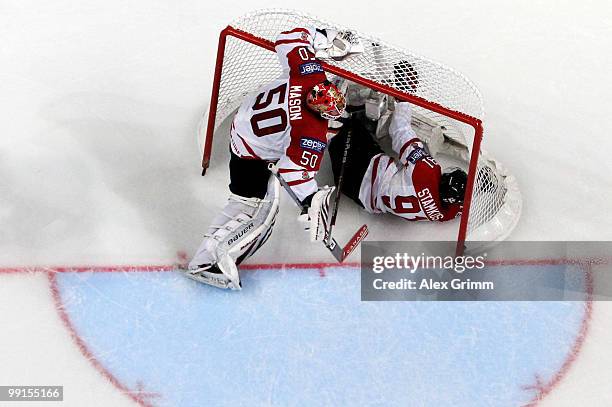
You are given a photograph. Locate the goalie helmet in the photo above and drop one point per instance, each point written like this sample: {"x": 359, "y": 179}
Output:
{"x": 326, "y": 99}
{"x": 452, "y": 186}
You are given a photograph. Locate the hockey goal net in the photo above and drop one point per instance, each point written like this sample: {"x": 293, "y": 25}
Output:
{"x": 441, "y": 97}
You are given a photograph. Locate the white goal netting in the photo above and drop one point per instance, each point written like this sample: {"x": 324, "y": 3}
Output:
{"x": 496, "y": 201}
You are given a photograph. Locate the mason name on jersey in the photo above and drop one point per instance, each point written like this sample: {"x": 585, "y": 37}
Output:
{"x": 295, "y": 102}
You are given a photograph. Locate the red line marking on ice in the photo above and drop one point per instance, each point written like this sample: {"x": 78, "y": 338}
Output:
{"x": 544, "y": 389}
{"x": 135, "y": 268}
{"x": 84, "y": 269}
{"x": 138, "y": 396}
{"x": 299, "y": 266}
{"x": 541, "y": 388}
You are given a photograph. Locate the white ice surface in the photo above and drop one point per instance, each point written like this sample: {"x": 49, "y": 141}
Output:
{"x": 99, "y": 102}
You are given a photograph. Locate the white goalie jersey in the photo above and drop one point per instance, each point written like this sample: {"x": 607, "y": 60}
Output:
{"x": 273, "y": 123}
{"x": 408, "y": 188}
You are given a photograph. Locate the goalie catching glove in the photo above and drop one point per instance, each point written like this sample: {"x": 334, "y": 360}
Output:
{"x": 331, "y": 43}
{"x": 315, "y": 216}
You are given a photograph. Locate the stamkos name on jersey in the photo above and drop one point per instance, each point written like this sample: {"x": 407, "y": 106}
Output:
{"x": 429, "y": 204}
{"x": 312, "y": 144}
{"x": 310, "y": 68}
{"x": 416, "y": 154}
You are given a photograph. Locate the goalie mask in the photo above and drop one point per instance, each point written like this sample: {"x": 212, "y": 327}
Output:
{"x": 326, "y": 99}
{"x": 452, "y": 186}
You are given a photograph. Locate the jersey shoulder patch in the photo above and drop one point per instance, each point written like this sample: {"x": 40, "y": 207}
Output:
{"x": 416, "y": 155}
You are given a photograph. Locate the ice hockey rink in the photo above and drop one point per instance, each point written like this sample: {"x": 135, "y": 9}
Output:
{"x": 101, "y": 194}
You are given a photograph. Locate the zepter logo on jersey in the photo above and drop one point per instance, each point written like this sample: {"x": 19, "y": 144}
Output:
{"x": 312, "y": 144}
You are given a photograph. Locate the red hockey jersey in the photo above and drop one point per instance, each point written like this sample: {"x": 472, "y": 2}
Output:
{"x": 410, "y": 187}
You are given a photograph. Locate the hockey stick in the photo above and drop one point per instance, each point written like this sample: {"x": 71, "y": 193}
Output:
{"x": 340, "y": 253}
{"x": 347, "y": 146}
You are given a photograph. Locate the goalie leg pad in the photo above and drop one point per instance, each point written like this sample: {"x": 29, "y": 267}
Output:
{"x": 243, "y": 226}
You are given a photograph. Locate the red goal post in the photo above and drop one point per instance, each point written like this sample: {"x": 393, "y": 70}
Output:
{"x": 246, "y": 60}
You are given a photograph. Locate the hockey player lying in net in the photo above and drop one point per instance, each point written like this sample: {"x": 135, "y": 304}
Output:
{"x": 284, "y": 122}
{"x": 412, "y": 186}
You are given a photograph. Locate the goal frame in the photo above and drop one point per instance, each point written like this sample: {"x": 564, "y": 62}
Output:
{"x": 471, "y": 121}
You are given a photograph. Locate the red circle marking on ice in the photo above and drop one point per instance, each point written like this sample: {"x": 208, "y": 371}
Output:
{"x": 140, "y": 397}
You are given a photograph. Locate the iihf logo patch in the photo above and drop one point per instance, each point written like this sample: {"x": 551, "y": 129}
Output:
{"x": 305, "y": 175}
{"x": 417, "y": 154}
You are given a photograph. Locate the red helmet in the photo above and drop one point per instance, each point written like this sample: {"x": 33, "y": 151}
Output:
{"x": 326, "y": 99}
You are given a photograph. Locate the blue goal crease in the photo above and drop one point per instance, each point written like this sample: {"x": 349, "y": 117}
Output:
{"x": 296, "y": 338}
